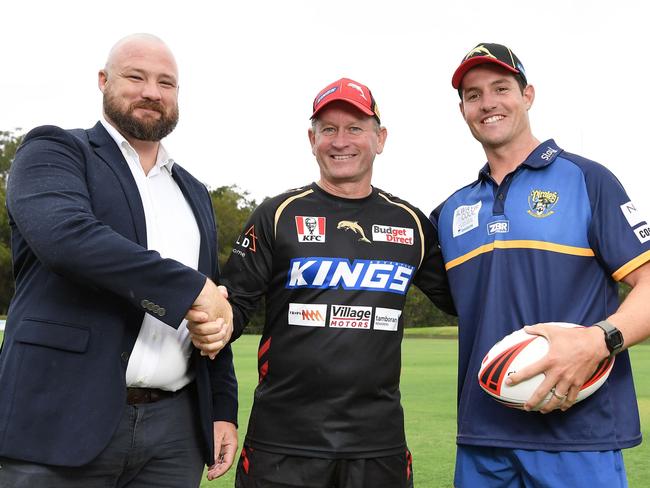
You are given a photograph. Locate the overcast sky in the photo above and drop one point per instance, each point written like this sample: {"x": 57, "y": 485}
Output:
{"x": 249, "y": 71}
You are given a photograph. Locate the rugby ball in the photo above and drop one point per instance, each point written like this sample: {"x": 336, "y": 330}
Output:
{"x": 521, "y": 349}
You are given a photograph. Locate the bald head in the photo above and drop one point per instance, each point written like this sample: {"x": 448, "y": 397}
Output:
{"x": 137, "y": 46}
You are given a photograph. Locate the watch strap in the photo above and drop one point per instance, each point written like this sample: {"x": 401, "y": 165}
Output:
{"x": 613, "y": 337}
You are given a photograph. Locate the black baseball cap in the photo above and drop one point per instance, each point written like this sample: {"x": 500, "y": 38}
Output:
{"x": 486, "y": 52}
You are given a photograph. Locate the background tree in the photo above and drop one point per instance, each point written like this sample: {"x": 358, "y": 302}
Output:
{"x": 9, "y": 142}
{"x": 233, "y": 207}
{"x": 420, "y": 312}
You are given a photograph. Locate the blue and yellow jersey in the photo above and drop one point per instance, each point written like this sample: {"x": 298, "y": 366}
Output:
{"x": 548, "y": 244}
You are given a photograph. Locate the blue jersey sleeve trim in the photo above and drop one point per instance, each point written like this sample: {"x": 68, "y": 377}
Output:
{"x": 630, "y": 266}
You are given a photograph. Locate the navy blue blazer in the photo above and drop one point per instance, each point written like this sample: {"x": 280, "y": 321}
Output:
{"x": 84, "y": 279}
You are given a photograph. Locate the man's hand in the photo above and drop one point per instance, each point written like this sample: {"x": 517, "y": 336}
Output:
{"x": 573, "y": 356}
{"x": 225, "y": 448}
{"x": 210, "y": 337}
{"x": 210, "y": 320}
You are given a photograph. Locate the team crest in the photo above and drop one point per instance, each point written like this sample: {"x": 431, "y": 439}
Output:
{"x": 310, "y": 229}
{"x": 541, "y": 203}
{"x": 479, "y": 51}
{"x": 354, "y": 227}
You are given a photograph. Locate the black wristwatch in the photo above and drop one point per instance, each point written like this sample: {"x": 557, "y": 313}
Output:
{"x": 613, "y": 337}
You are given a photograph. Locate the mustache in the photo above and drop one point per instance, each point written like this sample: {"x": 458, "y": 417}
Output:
{"x": 148, "y": 105}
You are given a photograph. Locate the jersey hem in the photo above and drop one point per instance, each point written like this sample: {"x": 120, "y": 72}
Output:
{"x": 315, "y": 453}
{"x": 555, "y": 446}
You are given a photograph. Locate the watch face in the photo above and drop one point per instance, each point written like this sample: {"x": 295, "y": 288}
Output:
{"x": 613, "y": 336}
{"x": 614, "y": 340}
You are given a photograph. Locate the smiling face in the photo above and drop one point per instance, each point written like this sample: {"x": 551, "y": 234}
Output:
{"x": 494, "y": 106}
{"x": 345, "y": 142}
{"x": 140, "y": 87}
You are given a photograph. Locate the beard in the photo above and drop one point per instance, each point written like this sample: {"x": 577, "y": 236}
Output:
{"x": 143, "y": 130}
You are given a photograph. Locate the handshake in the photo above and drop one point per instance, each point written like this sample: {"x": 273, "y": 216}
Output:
{"x": 209, "y": 320}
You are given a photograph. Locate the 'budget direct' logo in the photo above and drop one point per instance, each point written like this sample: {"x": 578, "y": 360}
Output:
{"x": 396, "y": 235}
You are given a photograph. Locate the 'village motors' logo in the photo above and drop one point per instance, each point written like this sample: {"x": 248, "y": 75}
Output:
{"x": 541, "y": 203}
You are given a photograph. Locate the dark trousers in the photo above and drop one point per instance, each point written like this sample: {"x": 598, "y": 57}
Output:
{"x": 157, "y": 445}
{"x": 263, "y": 469}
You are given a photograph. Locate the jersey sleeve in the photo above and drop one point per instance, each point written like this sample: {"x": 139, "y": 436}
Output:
{"x": 619, "y": 233}
{"x": 248, "y": 270}
{"x": 431, "y": 277}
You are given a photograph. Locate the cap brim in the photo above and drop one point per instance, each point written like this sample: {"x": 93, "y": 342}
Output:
{"x": 354, "y": 103}
{"x": 465, "y": 66}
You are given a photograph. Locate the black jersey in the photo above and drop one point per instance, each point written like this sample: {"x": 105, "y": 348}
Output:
{"x": 334, "y": 273}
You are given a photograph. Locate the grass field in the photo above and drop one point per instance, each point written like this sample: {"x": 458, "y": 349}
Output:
{"x": 429, "y": 398}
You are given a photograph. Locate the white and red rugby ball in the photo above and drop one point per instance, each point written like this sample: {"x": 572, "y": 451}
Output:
{"x": 520, "y": 349}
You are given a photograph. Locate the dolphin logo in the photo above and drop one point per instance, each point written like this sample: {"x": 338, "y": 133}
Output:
{"x": 354, "y": 227}
{"x": 359, "y": 89}
{"x": 480, "y": 51}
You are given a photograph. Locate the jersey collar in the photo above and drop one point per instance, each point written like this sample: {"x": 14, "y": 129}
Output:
{"x": 542, "y": 156}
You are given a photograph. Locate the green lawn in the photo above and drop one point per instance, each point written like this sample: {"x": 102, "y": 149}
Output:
{"x": 429, "y": 397}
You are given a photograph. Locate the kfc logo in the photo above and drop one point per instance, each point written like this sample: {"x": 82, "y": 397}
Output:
{"x": 310, "y": 229}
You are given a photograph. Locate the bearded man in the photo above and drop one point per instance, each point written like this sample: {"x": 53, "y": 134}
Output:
{"x": 114, "y": 249}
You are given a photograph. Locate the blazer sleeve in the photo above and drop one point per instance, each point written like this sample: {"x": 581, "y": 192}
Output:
{"x": 224, "y": 386}
{"x": 49, "y": 202}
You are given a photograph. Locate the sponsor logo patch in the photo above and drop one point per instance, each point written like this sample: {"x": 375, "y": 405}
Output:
{"x": 307, "y": 314}
{"x": 387, "y": 318}
{"x": 361, "y": 274}
{"x": 349, "y": 317}
{"x": 541, "y": 203}
{"x": 548, "y": 154}
{"x": 247, "y": 241}
{"x": 396, "y": 235}
{"x": 643, "y": 233}
{"x": 310, "y": 229}
{"x": 328, "y": 92}
{"x": 632, "y": 215}
{"x": 498, "y": 227}
{"x": 466, "y": 218}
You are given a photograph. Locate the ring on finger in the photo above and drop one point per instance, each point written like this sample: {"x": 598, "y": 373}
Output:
{"x": 558, "y": 396}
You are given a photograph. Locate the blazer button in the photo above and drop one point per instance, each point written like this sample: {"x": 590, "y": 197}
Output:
{"x": 145, "y": 303}
{"x": 162, "y": 312}
{"x": 125, "y": 356}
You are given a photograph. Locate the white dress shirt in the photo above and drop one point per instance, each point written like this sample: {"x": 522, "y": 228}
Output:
{"x": 160, "y": 357}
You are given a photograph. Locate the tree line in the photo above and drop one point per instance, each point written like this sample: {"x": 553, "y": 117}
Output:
{"x": 232, "y": 207}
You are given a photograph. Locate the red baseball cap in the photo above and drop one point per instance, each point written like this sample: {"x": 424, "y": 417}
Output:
{"x": 348, "y": 91}
{"x": 489, "y": 53}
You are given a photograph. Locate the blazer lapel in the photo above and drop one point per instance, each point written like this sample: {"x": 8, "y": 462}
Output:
{"x": 199, "y": 210}
{"x": 106, "y": 148}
